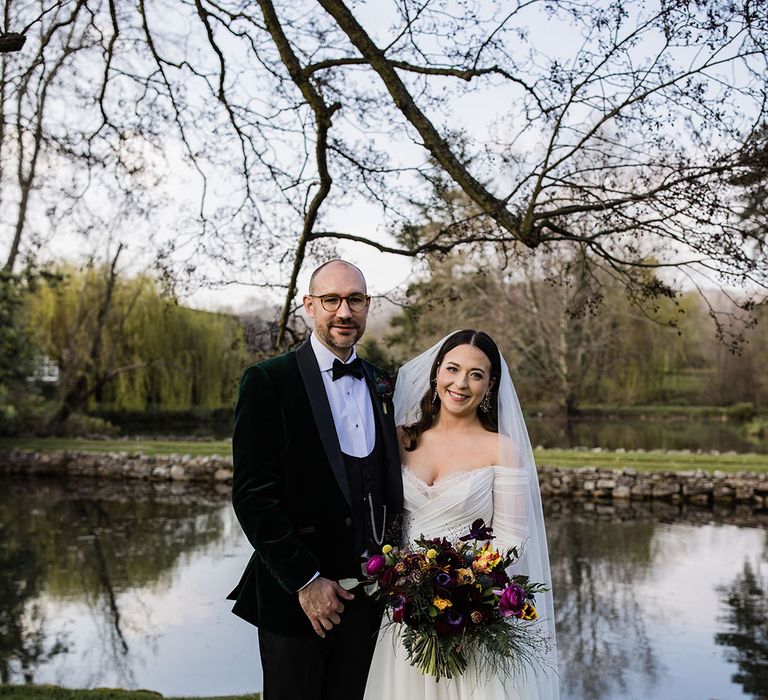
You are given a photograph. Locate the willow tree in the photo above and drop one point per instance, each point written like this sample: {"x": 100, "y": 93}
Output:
{"x": 120, "y": 344}
{"x": 620, "y": 127}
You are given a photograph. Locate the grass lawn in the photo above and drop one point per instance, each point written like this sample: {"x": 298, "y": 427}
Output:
{"x": 652, "y": 461}
{"x": 149, "y": 447}
{"x": 52, "y": 692}
{"x": 645, "y": 461}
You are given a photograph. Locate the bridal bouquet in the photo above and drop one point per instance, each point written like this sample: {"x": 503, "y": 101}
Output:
{"x": 457, "y": 602}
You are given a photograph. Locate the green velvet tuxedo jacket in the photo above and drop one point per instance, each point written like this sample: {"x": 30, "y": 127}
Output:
{"x": 290, "y": 489}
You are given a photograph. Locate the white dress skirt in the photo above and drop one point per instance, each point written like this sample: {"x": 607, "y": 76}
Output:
{"x": 446, "y": 509}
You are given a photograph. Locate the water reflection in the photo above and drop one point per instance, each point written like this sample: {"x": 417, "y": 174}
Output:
{"x": 109, "y": 584}
{"x": 96, "y": 566}
{"x": 23, "y": 643}
{"x": 601, "y": 631}
{"x": 638, "y": 588}
{"x": 746, "y": 628}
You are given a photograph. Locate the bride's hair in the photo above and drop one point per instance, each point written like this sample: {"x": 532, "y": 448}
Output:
{"x": 430, "y": 408}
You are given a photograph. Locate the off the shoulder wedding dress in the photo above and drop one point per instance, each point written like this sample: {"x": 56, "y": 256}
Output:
{"x": 446, "y": 509}
{"x": 507, "y": 498}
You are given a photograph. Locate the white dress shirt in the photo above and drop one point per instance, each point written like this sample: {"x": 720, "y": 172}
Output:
{"x": 350, "y": 402}
{"x": 351, "y": 408}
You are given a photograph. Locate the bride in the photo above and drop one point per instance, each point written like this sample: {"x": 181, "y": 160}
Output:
{"x": 466, "y": 455}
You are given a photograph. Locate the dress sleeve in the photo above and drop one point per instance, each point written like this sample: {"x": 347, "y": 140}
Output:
{"x": 510, "y": 506}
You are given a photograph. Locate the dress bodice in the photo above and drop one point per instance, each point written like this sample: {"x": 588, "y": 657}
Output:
{"x": 447, "y": 507}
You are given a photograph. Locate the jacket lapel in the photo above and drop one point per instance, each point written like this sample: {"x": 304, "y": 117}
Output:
{"x": 321, "y": 409}
{"x": 386, "y": 424}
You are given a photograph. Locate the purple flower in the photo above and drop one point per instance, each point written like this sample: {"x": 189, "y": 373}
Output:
{"x": 443, "y": 579}
{"x": 511, "y": 600}
{"x": 478, "y": 531}
{"x": 450, "y": 622}
{"x": 375, "y": 564}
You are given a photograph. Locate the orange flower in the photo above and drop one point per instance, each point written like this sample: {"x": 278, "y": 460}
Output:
{"x": 486, "y": 560}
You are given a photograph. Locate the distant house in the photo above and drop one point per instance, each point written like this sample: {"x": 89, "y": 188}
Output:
{"x": 44, "y": 370}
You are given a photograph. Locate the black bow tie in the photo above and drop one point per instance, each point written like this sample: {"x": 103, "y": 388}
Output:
{"x": 353, "y": 369}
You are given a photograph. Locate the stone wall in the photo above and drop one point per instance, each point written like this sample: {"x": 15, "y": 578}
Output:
{"x": 118, "y": 465}
{"x": 695, "y": 487}
{"x": 589, "y": 484}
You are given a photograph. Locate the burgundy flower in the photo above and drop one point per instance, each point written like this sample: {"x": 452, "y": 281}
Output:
{"x": 478, "y": 531}
{"x": 512, "y": 600}
{"x": 398, "y": 608}
{"x": 499, "y": 577}
{"x": 449, "y": 557}
{"x": 387, "y": 577}
{"x": 375, "y": 564}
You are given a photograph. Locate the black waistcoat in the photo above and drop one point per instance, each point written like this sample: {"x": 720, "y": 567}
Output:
{"x": 366, "y": 482}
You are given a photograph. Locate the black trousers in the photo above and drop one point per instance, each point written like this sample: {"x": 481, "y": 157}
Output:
{"x": 311, "y": 668}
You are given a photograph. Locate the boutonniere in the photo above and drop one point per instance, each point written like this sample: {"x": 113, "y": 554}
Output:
{"x": 383, "y": 386}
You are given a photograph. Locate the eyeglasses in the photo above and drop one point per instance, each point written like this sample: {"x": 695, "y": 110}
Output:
{"x": 332, "y": 302}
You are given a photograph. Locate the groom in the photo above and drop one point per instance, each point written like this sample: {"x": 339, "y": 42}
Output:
{"x": 316, "y": 484}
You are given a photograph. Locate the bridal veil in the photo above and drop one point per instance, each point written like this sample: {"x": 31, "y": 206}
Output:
{"x": 515, "y": 452}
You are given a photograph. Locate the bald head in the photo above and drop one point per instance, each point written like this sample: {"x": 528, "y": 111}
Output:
{"x": 329, "y": 269}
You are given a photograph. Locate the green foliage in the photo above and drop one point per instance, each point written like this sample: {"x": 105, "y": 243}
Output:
{"x": 79, "y": 424}
{"x": 15, "y": 350}
{"x": 131, "y": 348}
{"x": 757, "y": 428}
{"x": 203, "y": 422}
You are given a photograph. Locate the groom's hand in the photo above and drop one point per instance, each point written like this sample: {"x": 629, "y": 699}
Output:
{"x": 321, "y": 603}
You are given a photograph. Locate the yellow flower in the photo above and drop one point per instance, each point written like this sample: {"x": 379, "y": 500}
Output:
{"x": 442, "y": 603}
{"x": 529, "y": 612}
{"x": 386, "y": 549}
{"x": 465, "y": 575}
{"x": 486, "y": 560}
{"x": 431, "y": 553}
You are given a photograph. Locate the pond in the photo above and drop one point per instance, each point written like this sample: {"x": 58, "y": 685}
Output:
{"x": 123, "y": 585}
{"x": 669, "y": 433}
{"x": 665, "y": 433}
